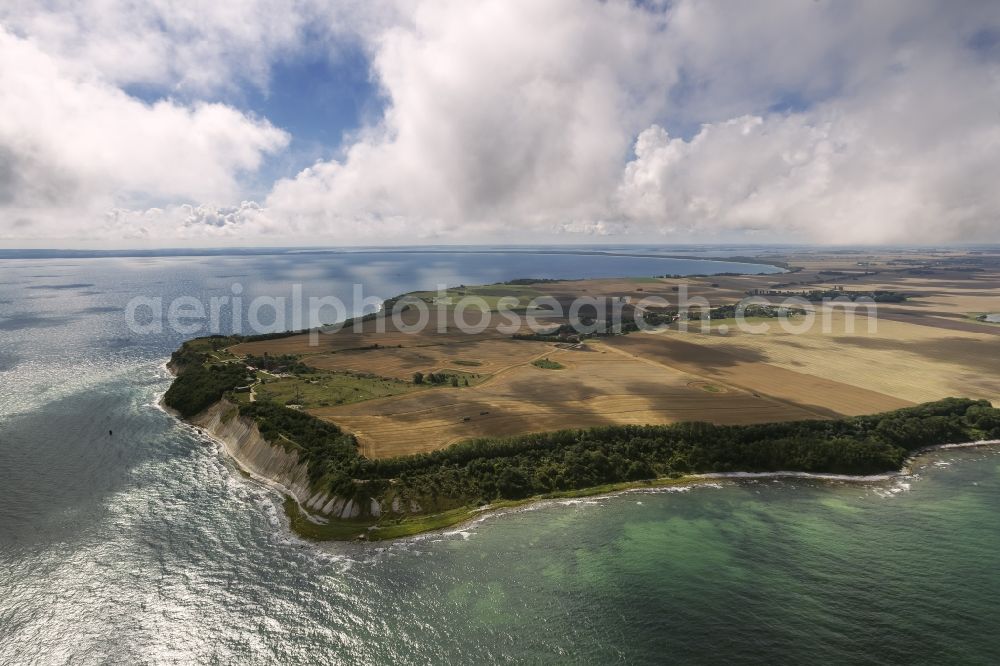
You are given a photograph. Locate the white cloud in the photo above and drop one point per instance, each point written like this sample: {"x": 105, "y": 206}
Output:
{"x": 912, "y": 156}
{"x": 503, "y": 112}
{"x": 515, "y": 120}
{"x": 186, "y": 48}
{"x": 187, "y": 222}
{"x": 74, "y": 146}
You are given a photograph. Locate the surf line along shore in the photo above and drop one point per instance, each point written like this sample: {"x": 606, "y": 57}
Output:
{"x": 276, "y": 460}
{"x": 365, "y": 452}
{"x": 253, "y": 455}
{"x": 281, "y": 470}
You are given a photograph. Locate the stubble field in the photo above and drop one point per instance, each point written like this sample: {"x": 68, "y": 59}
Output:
{"x": 928, "y": 347}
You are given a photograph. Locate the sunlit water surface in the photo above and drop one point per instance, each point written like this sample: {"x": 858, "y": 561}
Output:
{"x": 148, "y": 547}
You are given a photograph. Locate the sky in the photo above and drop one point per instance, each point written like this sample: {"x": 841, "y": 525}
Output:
{"x": 368, "y": 122}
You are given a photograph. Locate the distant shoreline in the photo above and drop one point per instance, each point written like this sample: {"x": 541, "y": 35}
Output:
{"x": 298, "y": 251}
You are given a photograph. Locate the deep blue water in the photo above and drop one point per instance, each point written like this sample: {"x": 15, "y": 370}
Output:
{"x": 148, "y": 547}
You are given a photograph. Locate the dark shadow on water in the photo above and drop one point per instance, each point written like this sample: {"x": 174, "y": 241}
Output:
{"x": 8, "y": 360}
{"x": 72, "y": 285}
{"x": 21, "y": 322}
{"x": 118, "y": 343}
{"x": 60, "y": 465}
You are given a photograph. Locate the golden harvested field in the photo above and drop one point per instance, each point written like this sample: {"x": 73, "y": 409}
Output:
{"x": 596, "y": 387}
{"x": 822, "y": 394}
{"x": 479, "y": 357}
{"x": 927, "y": 347}
{"x": 911, "y": 362}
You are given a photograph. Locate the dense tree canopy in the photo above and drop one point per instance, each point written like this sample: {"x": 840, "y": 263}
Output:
{"x": 511, "y": 468}
{"x": 482, "y": 470}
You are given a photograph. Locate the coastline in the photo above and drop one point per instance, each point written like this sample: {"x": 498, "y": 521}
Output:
{"x": 286, "y": 477}
{"x": 687, "y": 482}
{"x": 707, "y": 479}
{"x": 304, "y": 521}
{"x": 319, "y": 515}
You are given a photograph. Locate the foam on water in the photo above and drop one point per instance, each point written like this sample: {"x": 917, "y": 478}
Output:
{"x": 149, "y": 547}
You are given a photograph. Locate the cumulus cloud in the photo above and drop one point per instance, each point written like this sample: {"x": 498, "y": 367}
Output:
{"x": 499, "y": 112}
{"x": 187, "y": 48}
{"x": 516, "y": 120}
{"x": 185, "y": 221}
{"x": 911, "y": 154}
{"x": 832, "y": 178}
{"x": 73, "y": 146}
{"x": 830, "y": 122}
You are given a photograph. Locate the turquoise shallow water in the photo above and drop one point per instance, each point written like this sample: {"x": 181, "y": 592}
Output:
{"x": 148, "y": 547}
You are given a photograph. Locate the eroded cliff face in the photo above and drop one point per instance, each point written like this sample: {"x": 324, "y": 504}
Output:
{"x": 272, "y": 464}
